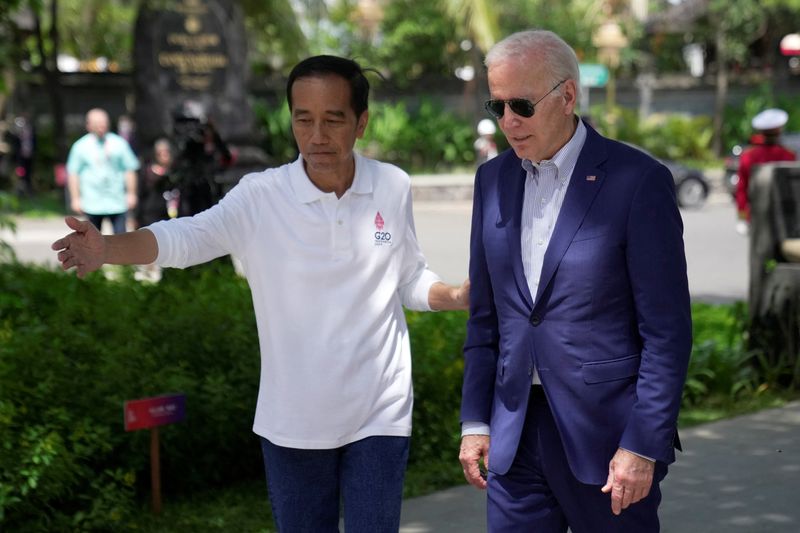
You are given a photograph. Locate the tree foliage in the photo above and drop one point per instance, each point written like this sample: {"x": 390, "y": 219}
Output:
{"x": 274, "y": 35}
{"x": 478, "y": 18}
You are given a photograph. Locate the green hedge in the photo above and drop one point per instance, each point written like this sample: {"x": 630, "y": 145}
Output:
{"x": 71, "y": 351}
{"x": 736, "y": 126}
{"x": 425, "y": 139}
{"x": 668, "y": 135}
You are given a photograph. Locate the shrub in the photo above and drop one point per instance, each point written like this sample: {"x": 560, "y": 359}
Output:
{"x": 736, "y": 127}
{"x": 72, "y": 351}
{"x": 436, "y": 342}
{"x": 7, "y": 206}
{"x": 721, "y": 366}
{"x": 275, "y": 122}
{"x": 428, "y": 139}
{"x": 671, "y": 136}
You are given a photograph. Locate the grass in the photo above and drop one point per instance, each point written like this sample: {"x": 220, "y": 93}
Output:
{"x": 244, "y": 507}
{"x": 241, "y": 508}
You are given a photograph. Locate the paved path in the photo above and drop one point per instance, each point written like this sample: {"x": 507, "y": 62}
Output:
{"x": 740, "y": 475}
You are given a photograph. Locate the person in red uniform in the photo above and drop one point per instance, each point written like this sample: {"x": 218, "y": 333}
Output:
{"x": 769, "y": 123}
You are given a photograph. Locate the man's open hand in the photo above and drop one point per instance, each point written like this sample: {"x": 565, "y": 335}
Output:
{"x": 84, "y": 248}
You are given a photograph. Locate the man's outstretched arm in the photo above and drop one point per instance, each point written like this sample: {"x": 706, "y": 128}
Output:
{"x": 86, "y": 249}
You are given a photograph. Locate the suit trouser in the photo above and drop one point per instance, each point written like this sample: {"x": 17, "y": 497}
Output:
{"x": 540, "y": 494}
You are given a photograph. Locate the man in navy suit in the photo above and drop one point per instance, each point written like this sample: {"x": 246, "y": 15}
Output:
{"x": 579, "y": 333}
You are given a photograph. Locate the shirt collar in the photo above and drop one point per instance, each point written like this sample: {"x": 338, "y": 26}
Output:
{"x": 568, "y": 152}
{"x": 306, "y": 192}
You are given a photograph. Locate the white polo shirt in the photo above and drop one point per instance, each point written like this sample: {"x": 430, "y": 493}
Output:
{"x": 329, "y": 277}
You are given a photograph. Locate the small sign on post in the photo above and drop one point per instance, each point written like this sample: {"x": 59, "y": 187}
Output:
{"x": 150, "y": 413}
{"x": 593, "y": 75}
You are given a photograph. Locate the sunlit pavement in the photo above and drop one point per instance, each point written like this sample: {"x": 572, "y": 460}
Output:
{"x": 737, "y": 475}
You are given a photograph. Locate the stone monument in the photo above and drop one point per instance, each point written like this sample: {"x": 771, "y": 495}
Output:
{"x": 190, "y": 61}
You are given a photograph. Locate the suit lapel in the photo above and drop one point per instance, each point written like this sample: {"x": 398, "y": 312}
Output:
{"x": 584, "y": 184}
{"x": 511, "y": 191}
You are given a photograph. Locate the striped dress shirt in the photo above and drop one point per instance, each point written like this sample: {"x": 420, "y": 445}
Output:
{"x": 545, "y": 187}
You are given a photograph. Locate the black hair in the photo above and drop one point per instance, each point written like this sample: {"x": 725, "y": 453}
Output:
{"x": 326, "y": 65}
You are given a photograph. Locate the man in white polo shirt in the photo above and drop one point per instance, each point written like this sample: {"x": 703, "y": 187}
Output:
{"x": 329, "y": 249}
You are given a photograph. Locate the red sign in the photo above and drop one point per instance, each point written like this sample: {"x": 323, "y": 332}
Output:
{"x": 156, "y": 411}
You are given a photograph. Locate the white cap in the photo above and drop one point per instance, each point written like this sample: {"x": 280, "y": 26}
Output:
{"x": 770, "y": 119}
{"x": 486, "y": 127}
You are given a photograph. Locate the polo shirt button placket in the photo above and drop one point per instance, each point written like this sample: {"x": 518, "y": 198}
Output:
{"x": 341, "y": 230}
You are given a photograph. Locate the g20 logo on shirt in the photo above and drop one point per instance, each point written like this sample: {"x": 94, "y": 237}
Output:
{"x": 382, "y": 238}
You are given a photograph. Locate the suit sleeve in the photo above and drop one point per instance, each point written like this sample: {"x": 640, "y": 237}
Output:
{"x": 481, "y": 345}
{"x": 657, "y": 273}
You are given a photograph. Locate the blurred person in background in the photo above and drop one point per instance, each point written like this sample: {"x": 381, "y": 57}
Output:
{"x": 155, "y": 187}
{"x": 126, "y": 128}
{"x": 24, "y": 136}
{"x": 156, "y": 192}
{"x": 101, "y": 174}
{"x": 200, "y": 153}
{"x": 485, "y": 145}
{"x": 768, "y": 125}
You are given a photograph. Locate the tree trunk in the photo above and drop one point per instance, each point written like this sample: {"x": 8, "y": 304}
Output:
{"x": 52, "y": 78}
{"x": 721, "y": 97}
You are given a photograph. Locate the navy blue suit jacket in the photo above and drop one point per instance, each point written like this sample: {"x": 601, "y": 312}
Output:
{"x": 609, "y": 330}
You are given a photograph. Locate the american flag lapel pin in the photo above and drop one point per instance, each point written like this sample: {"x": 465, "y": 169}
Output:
{"x": 591, "y": 177}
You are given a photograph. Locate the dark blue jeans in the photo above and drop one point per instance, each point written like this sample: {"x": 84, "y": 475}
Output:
{"x": 117, "y": 221}
{"x": 306, "y": 486}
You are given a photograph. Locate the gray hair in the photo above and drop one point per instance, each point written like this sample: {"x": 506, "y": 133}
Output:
{"x": 556, "y": 58}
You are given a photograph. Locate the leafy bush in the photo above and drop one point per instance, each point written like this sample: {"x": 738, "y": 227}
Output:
{"x": 436, "y": 343}
{"x": 736, "y": 127}
{"x": 721, "y": 367}
{"x": 71, "y": 352}
{"x": 667, "y": 135}
{"x": 428, "y": 139}
{"x": 275, "y": 122}
{"x": 7, "y": 206}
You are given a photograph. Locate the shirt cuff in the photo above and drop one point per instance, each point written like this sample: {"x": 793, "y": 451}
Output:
{"x": 639, "y": 455}
{"x": 474, "y": 428}
{"x": 162, "y": 240}
{"x": 416, "y": 296}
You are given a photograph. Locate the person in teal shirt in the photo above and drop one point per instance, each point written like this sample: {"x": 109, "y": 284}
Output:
{"x": 101, "y": 170}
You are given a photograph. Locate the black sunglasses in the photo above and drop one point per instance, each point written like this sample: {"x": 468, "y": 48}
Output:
{"x": 520, "y": 106}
